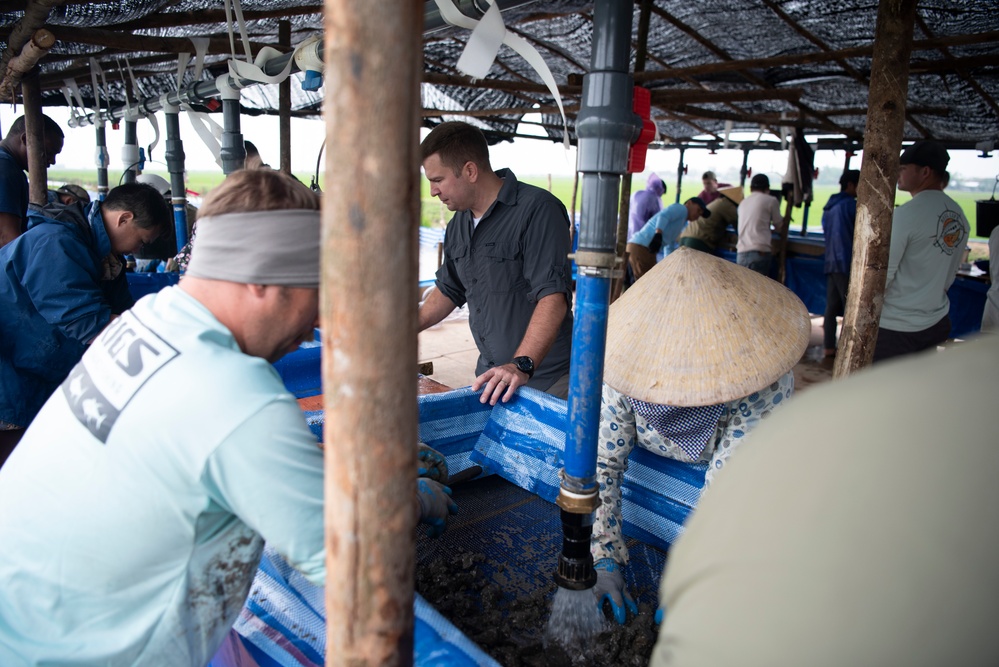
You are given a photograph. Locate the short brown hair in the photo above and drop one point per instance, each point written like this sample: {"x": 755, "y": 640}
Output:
{"x": 456, "y": 143}
{"x": 249, "y": 190}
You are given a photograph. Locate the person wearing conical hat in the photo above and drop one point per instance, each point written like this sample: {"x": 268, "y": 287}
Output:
{"x": 699, "y": 352}
{"x": 706, "y": 233}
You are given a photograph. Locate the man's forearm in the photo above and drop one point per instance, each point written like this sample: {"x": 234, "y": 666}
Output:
{"x": 434, "y": 309}
{"x": 10, "y": 228}
{"x": 543, "y": 327}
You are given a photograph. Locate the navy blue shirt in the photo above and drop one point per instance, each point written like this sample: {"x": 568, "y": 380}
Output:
{"x": 517, "y": 255}
{"x": 13, "y": 188}
{"x": 838, "y": 217}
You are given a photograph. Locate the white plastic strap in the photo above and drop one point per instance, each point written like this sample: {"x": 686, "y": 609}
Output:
{"x": 71, "y": 84}
{"x": 728, "y": 131}
{"x": 200, "y": 49}
{"x": 209, "y": 131}
{"x": 238, "y": 10}
{"x": 130, "y": 114}
{"x": 94, "y": 68}
{"x": 156, "y": 132}
{"x": 483, "y": 46}
{"x": 182, "y": 60}
{"x": 255, "y": 71}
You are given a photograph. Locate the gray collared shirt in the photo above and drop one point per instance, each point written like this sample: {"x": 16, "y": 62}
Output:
{"x": 517, "y": 255}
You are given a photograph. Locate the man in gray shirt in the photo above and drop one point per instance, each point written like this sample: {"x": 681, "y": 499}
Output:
{"x": 505, "y": 253}
{"x": 928, "y": 236}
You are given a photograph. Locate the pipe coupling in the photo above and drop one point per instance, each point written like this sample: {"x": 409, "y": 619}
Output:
{"x": 577, "y": 503}
{"x": 606, "y": 260}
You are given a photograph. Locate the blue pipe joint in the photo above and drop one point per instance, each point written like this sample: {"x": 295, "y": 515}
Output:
{"x": 589, "y": 337}
{"x": 180, "y": 224}
{"x": 312, "y": 80}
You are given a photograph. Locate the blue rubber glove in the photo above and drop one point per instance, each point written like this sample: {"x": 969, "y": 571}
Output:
{"x": 611, "y": 587}
{"x": 432, "y": 464}
{"x": 659, "y": 615}
{"x": 435, "y": 505}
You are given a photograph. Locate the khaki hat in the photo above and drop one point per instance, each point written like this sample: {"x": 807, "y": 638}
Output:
{"x": 734, "y": 193}
{"x": 699, "y": 330}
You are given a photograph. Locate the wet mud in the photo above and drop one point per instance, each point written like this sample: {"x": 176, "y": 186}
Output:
{"x": 467, "y": 590}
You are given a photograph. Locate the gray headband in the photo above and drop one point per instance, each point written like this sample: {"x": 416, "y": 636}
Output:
{"x": 262, "y": 248}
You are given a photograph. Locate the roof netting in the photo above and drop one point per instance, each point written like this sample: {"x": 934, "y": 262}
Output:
{"x": 713, "y": 68}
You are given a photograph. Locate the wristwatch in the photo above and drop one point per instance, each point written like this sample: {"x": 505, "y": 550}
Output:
{"x": 524, "y": 365}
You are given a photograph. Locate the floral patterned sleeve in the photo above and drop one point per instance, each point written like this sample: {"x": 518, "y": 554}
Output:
{"x": 616, "y": 440}
{"x": 742, "y": 416}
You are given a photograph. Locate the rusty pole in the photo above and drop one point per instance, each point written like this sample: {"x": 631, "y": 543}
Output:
{"x": 34, "y": 130}
{"x": 284, "y": 102}
{"x": 876, "y": 192}
{"x": 368, "y": 315}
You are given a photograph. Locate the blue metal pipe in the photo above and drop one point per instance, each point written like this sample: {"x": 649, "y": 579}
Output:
{"x": 586, "y": 372}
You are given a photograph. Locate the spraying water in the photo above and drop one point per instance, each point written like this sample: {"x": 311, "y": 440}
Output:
{"x": 575, "y": 622}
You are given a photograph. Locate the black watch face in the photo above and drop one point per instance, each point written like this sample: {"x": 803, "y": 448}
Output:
{"x": 525, "y": 364}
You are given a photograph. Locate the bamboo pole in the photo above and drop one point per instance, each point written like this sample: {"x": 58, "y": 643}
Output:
{"x": 368, "y": 316}
{"x": 284, "y": 102}
{"x": 34, "y": 130}
{"x": 876, "y": 192}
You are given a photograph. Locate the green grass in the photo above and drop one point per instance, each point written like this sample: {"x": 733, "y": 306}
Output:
{"x": 433, "y": 214}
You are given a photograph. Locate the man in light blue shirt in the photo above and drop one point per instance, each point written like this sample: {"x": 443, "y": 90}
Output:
{"x": 661, "y": 231}
{"x": 135, "y": 508}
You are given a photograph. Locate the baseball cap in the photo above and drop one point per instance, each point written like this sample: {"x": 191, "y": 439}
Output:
{"x": 705, "y": 213}
{"x": 926, "y": 153}
{"x": 76, "y": 191}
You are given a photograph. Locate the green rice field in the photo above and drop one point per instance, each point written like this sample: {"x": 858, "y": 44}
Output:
{"x": 434, "y": 214}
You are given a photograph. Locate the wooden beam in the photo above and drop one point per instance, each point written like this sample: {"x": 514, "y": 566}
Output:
{"x": 210, "y": 16}
{"x": 284, "y": 103}
{"x": 373, "y": 66}
{"x": 23, "y": 63}
{"x": 130, "y": 42}
{"x": 752, "y": 78}
{"x": 847, "y": 67}
{"x": 807, "y": 58}
{"x": 36, "y": 13}
{"x": 876, "y": 192}
{"x": 668, "y": 98}
{"x": 496, "y": 84}
{"x": 34, "y": 131}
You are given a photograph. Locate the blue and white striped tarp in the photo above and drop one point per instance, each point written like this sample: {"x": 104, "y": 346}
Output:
{"x": 524, "y": 442}
{"x": 283, "y": 624}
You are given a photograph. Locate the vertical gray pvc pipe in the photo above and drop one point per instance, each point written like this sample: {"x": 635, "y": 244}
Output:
{"x": 101, "y": 157}
{"x": 175, "y": 163}
{"x": 233, "y": 151}
{"x": 130, "y": 152}
{"x": 679, "y": 174}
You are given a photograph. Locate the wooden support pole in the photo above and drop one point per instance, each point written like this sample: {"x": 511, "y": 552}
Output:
{"x": 876, "y": 191}
{"x": 34, "y": 130}
{"x": 368, "y": 317}
{"x": 20, "y": 65}
{"x": 284, "y": 102}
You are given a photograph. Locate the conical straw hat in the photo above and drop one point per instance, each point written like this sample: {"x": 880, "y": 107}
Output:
{"x": 699, "y": 330}
{"x": 734, "y": 193}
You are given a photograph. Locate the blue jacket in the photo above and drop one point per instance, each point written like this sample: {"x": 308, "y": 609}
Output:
{"x": 838, "y": 217}
{"x": 57, "y": 292}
